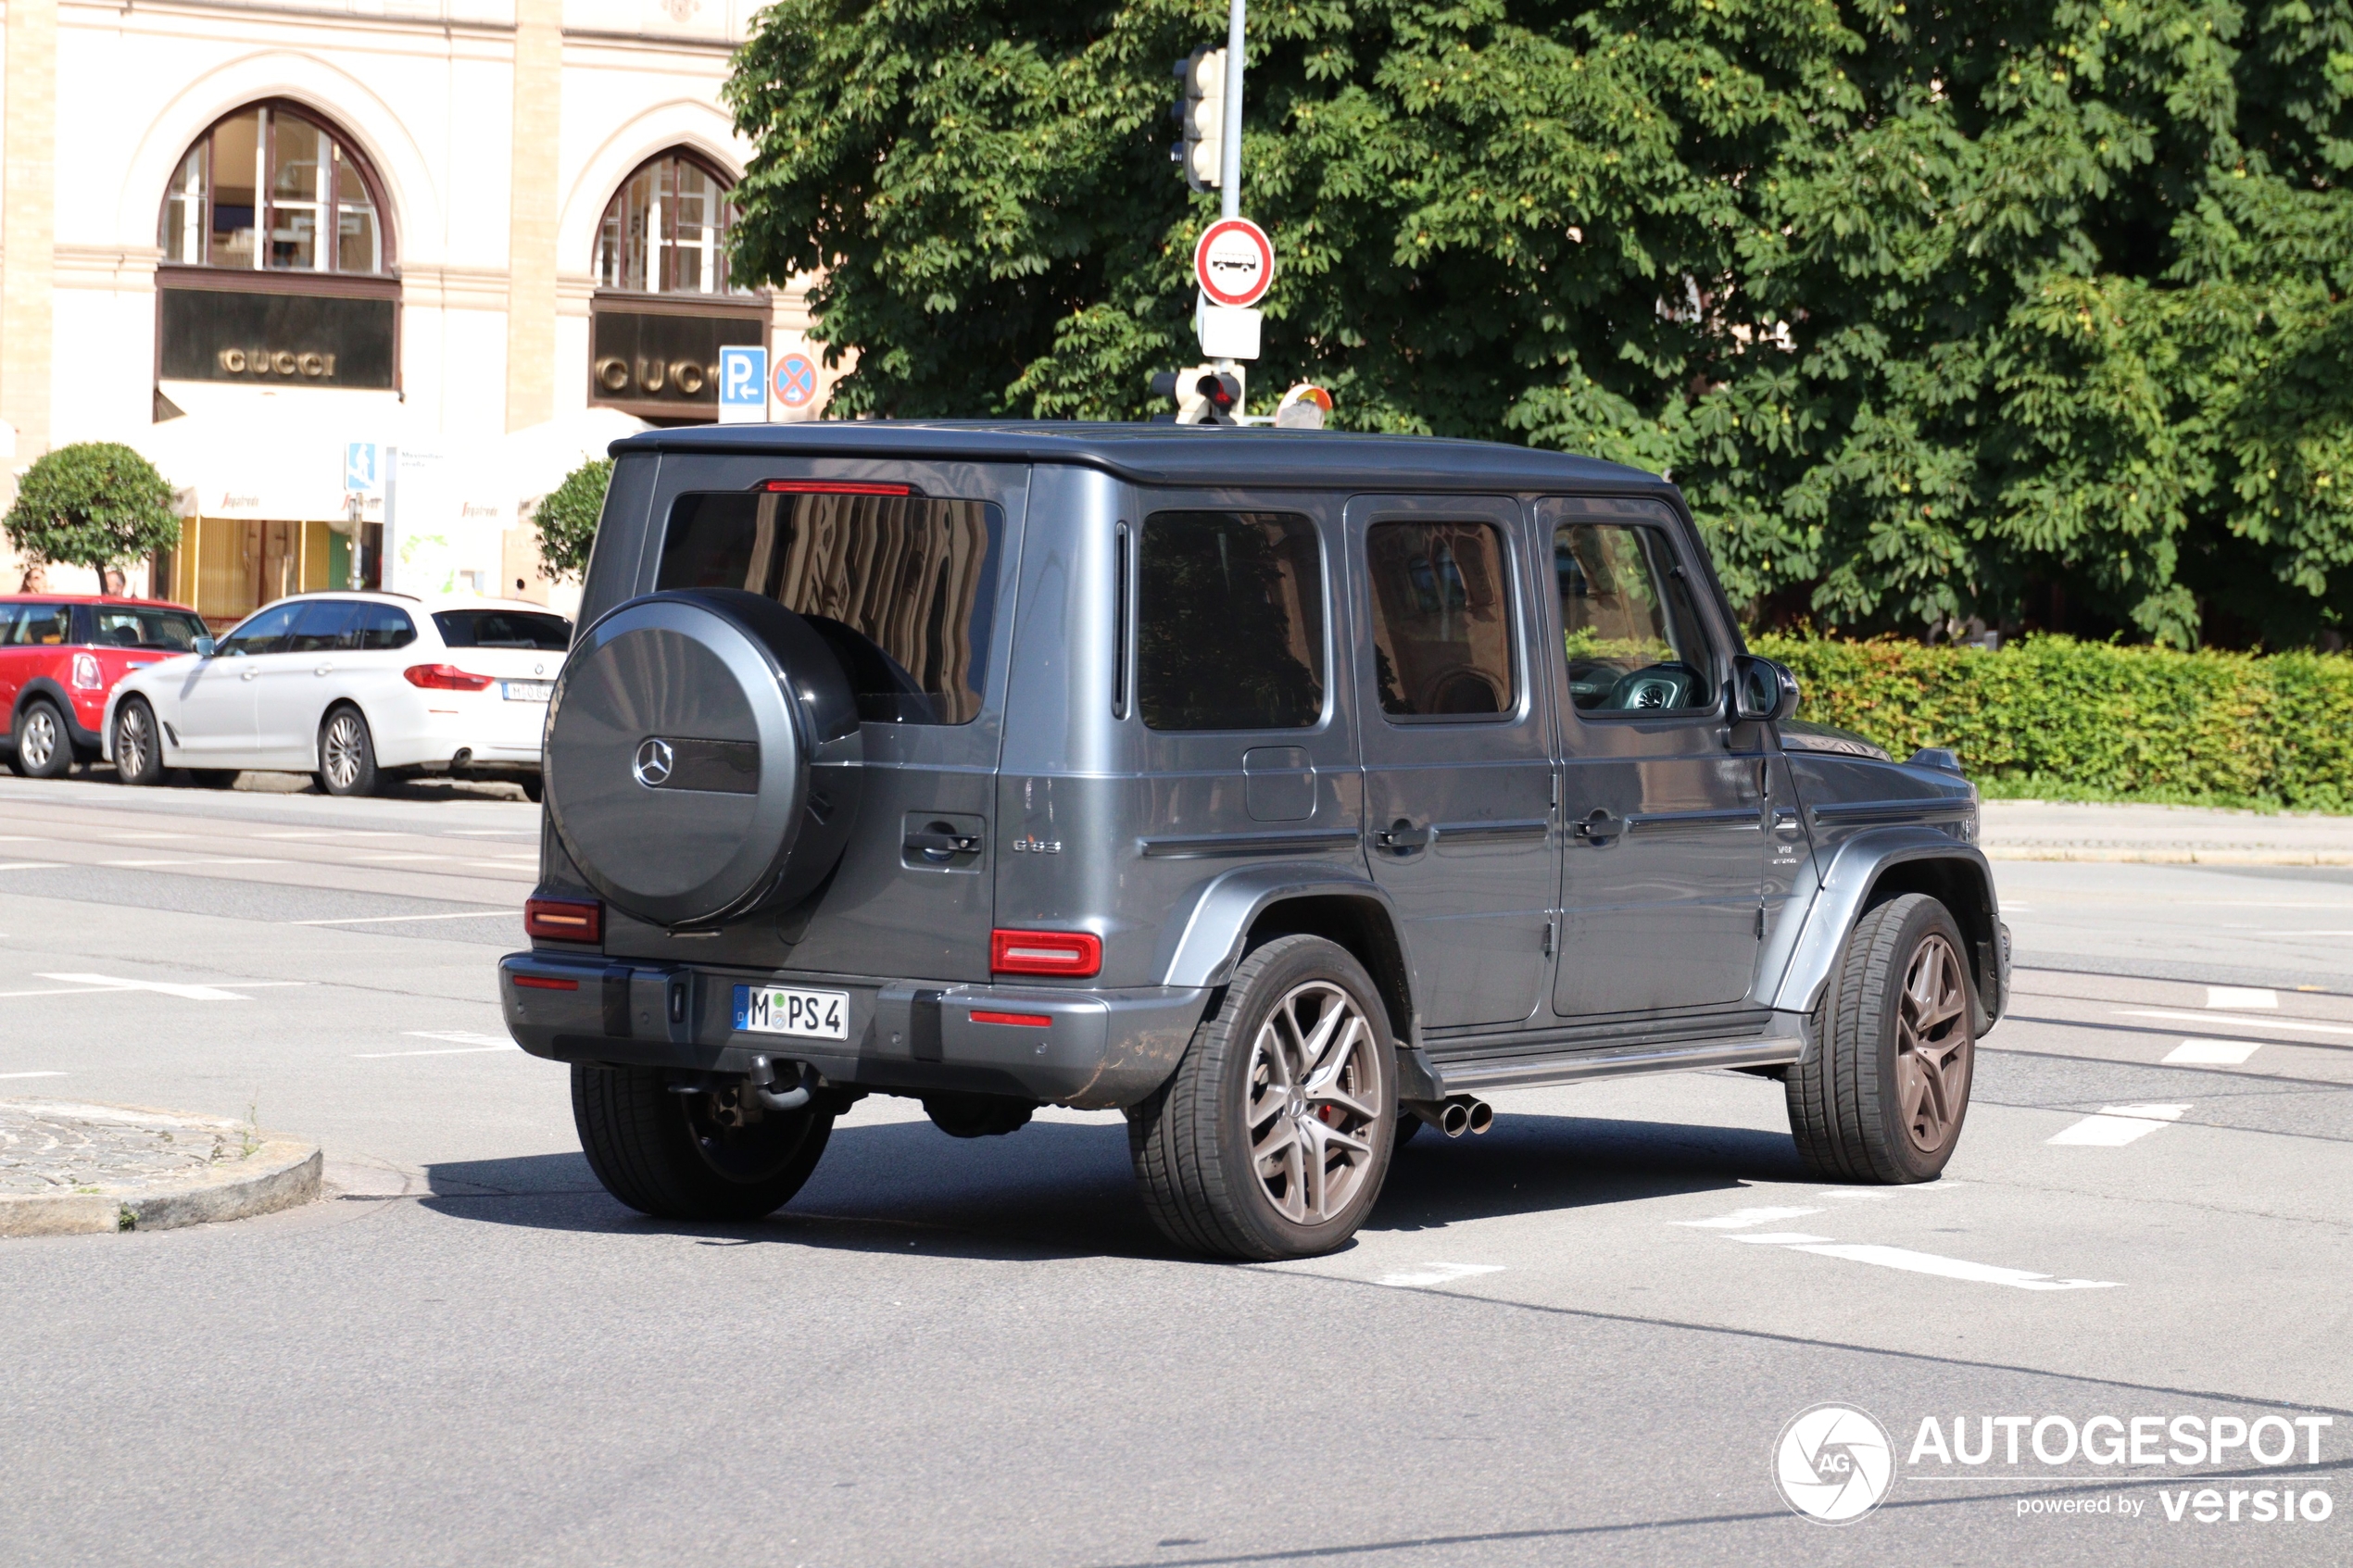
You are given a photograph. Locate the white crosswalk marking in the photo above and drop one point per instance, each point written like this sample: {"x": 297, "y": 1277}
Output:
{"x": 2212, "y": 1053}
{"x": 2241, "y": 997}
{"x": 1440, "y": 1273}
{"x": 1740, "y": 1217}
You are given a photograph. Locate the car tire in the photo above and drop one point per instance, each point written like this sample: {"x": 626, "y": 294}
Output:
{"x": 692, "y": 1156}
{"x": 44, "y": 746}
{"x": 347, "y": 753}
{"x": 1883, "y": 1093}
{"x": 1222, "y": 1150}
{"x": 138, "y": 744}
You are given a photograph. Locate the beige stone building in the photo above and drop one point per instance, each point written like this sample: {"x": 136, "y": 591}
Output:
{"x": 365, "y": 277}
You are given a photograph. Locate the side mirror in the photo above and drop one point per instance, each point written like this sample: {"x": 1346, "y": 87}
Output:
{"x": 205, "y": 646}
{"x": 1763, "y": 691}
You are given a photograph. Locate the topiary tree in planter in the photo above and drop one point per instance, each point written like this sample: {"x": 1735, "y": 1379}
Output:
{"x": 93, "y": 503}
{"x": 567, "y": 517}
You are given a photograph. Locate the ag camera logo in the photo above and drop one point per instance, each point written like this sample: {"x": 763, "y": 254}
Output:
{"x": 1833, "y": 1463}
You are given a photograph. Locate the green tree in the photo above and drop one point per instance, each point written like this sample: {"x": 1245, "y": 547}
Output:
{"x": 566, "y": 518}
{"x": 1934, "y": 309}
{"x": 94, "y": 504}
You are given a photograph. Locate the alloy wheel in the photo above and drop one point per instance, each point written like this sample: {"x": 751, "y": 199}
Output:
{"x": 344, "y": 739}
{"x": 1932, "y": 1045}
{"x": 39, "y": 743}
{"x": 1312, "y": 1112}
{"x": 130, "y": 742}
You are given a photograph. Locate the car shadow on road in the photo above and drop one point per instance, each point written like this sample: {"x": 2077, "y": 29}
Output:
{"x": 1064, "y": 1189}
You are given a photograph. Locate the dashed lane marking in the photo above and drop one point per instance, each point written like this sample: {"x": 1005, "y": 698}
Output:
{"x": 29, "y": 866}
{"x": 34, "y": 1074}
{"x": 169, "y": 988}
{"x": 1904, "y": 1257}
{"x": 469, "y": 1044}
{"x": 2212, "y": 1053}
{"x": 2241, "y": 997}
{"x": 1440, "y": 1273}
{"x": 2116, "y": 1125}
{"x": 327, "y": 832}
{"x": 1741, "y": 1217}
{"x": 207, "y": 861}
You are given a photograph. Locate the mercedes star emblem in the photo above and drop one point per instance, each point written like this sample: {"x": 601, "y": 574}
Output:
{"x": 653, "y": 762}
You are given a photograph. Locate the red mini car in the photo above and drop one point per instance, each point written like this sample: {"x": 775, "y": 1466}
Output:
{"x": 60, "y": 654}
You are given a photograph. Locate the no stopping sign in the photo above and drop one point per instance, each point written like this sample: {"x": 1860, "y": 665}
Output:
{"x": 1234, "y": 262}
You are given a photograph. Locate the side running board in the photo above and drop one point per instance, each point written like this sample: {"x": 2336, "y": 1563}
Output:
{"x": 1783, "y": 1042}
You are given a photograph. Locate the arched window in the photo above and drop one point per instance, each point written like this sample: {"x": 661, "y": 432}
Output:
{"x": 666, "y": 230}
{"x": 272, "y": 188}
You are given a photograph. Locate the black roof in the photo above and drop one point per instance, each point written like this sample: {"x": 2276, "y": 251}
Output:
{"x": 1169, "y": 454}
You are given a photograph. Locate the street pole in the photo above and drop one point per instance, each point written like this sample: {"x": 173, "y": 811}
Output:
{"x": 1230, "y": 173}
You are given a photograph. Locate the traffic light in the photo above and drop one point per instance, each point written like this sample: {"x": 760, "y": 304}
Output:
{"x": 1202, "y": 115}
{"x": 1204, "y": 395}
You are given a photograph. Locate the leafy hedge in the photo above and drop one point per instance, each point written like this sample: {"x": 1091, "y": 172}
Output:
{"x": 2052, "y": 718}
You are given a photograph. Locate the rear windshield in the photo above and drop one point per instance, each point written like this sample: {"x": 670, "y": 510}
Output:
{"x": 904, "y": 588}
{"x": 173, "y": 629}
{"x": 503, "y": 629}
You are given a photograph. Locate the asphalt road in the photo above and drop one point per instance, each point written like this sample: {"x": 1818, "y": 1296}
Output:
{"x": 1576, "y": 1339}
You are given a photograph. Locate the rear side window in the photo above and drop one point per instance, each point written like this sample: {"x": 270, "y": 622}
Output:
{"x": 1441, "y": 619}
{"x": 41, "y": 625}
{"x": 903, "y": 587}
{"x": 380, "y": 627}
{"x": 172, "y": 629}
{"x": 1229, "y": 621}
{"x": 502, "y": 629}
{"x": 323, "y": 626}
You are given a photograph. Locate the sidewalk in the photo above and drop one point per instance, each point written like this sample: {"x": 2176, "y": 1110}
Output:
{"x": 2040, "y": 830}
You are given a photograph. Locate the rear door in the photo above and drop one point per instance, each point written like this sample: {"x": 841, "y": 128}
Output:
{"x": 290, "y": 696}
{"x": 1458, "y": 764}
{"x": 1663, "y": 858}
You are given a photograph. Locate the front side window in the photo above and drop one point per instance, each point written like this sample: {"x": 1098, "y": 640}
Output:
{"x": 1632, "y": 634}
{"x": 903, "y": 588}
{"x": 172, "y": 629}
{"x": 502, "y": 629}
{"x": 270, "y": 189}
{"x": 1442, "y": 619}
{"x": 264, "y": 632}
{"x": 1229, "y": 621}
{"x": 665, "y": 231}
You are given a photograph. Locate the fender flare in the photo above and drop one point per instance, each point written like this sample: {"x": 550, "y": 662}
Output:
{"x": 1857, "y": 868}
{"x": 1205, "y": 936}
{"x": 46, "y": 685}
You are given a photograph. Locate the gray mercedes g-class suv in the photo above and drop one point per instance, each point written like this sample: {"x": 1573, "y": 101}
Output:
{"x": 1285, "y": 790}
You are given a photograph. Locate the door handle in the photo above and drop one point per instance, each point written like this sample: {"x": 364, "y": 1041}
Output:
{"x": 323, "y": 670}
{"x": 1599, "y": 826}
{"x": 1403, "y": 837}
{"x": 942, "y": 845}
{"x": 247, "y": 674}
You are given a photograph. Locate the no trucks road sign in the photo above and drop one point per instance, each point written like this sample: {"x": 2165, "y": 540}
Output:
{"x": 1234, "y": 262}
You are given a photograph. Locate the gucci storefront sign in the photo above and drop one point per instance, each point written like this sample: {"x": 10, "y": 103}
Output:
{"x": 303, "y": 339}
{"x": 664, "y": 363}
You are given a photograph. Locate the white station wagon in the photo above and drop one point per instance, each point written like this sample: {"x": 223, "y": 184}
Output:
{"x": 349, "y": 686}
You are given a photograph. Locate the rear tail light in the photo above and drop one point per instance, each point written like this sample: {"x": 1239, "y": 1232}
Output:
{"x": 1018, "y": 1020}
{"x": 86, "y": 675}
{"x": 1074, "y": 953}
{"x": 443, "y": 678}
{"x": 565, "y": 920}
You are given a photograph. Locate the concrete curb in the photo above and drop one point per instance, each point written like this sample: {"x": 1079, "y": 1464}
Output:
{"x": 2216, "y": 857}
{"x": 280, "y": 1172}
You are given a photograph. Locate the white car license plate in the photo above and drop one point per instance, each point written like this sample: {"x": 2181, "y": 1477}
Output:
{"x": 526, "y": 691}
{"x": 785, "y": 1010}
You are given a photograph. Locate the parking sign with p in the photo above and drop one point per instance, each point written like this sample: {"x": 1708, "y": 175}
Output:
{"x": 743, "y": 385}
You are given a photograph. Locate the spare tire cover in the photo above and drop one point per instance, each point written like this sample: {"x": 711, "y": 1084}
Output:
{"x": 702, "y": 755}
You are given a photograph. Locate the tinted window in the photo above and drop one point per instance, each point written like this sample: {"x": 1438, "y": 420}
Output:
{"x": 1442, "y": 619}
{"x": 322, "y": 627}
{"x": 903, "y": 588}
{"x": 1230, "y": 623}
{"x": 380, "y": 626}
{"x": 1632, "y": 637}
{"x": 172, "y": 629}
{"x": 42, "y": 625}
{"x": 264, "y": 632}
{"x": 11, "y": 617}
{"x": 502, "y": 629}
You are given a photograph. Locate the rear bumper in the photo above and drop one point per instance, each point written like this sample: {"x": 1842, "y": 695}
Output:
{"x": 1097, "y": 1049}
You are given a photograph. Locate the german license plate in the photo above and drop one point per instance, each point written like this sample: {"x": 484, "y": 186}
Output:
{"x": 786, "y": 1010}
{"x": 526, "y": 691}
